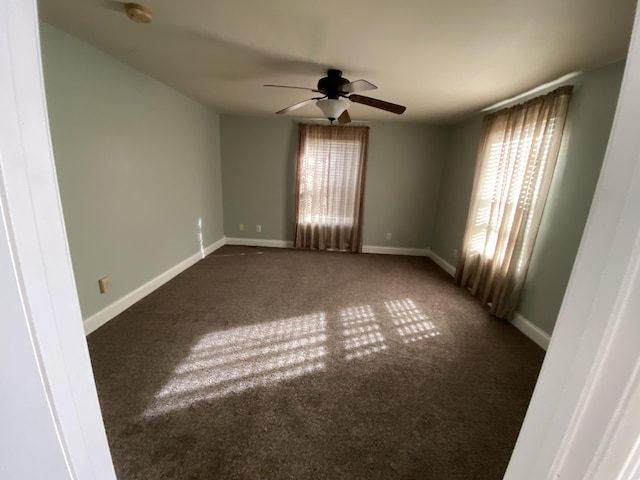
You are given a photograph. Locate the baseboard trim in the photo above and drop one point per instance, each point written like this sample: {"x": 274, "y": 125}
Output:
{"x": 258, "y": 242}
{"x": 442, "y": 263}
{"x": 415, "y": 252}
{"x": 535, "y": 333}
{"x": 539, "y": 336}
{"x": 96, "y": 320}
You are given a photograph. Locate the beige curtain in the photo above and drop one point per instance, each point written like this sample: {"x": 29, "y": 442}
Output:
{"x": 516, "y": 159}
{"x": 330, "y": 187}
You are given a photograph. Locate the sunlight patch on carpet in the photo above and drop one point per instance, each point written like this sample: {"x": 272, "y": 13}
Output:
{"x": 362, "y": 335}
{"x": 235, "y": 360}
{"x": 411, "y": 323}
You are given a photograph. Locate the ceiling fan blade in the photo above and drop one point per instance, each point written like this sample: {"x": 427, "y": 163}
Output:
{"x": 299, "y": 88}
{"x": 375, "y": 103}
{"x": 344, "y": 117}
{"x": 295, "y": 106}
{"x": 357, "y": 86}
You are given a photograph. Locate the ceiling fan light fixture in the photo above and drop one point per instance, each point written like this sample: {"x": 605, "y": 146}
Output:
{"x": 333, "y": 107}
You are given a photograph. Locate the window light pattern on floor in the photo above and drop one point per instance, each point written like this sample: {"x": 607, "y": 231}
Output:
{"x": 411, "y": 323}
{"x": 362, "y": 335}
{"x": 232, "y": 361}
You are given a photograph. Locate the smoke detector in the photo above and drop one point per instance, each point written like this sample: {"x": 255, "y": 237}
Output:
{"x": 138, "y": 13}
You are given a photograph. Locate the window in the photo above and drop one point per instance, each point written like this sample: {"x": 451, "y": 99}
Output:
{"x": 515, "y": 165}
{"x": 512, "y": 182}
{"x": 327, "y": 184}
{"x": 331, "y": 163}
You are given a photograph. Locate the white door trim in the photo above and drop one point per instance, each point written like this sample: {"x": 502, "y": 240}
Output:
{"x": 38, "y": 247}
{"x": 590, "y": 369}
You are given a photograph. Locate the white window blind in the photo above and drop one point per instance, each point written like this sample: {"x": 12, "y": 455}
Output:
{"x": 329, "y": 181}
{"x": 513, "y": 178}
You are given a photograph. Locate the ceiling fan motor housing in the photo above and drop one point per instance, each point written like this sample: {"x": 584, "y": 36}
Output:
{"x": 338, "y": 93}
{"x": 332, "y": 83}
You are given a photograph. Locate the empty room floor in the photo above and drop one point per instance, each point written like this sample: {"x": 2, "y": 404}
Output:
{"x": 261, "y": 363}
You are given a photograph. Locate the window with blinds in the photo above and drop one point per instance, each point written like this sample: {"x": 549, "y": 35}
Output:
{"x": 512, "y": 182}
{"x": 517, "y": 155}
{"x": 328, "y": 182}
{"x": 330, "y": 186}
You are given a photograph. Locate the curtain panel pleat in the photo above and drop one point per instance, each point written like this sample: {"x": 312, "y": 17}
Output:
{"x": 514, "y": 169}
{"x": 330, "y": 187}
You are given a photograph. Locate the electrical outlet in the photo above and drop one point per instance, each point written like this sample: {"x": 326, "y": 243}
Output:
{"x": 455, "y": 253}
{"x": 389, "y": 236}
{"x": 258, "y": 228}
{"x": 104, "y": 284}
{"x": 241, "y": 227}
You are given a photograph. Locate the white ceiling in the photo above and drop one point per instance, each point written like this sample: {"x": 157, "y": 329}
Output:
{"x": 443, "y": 59}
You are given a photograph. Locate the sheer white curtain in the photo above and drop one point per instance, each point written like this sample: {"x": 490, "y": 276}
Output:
{"x": 330, "y": 187}
{"x": 516, "y": 159}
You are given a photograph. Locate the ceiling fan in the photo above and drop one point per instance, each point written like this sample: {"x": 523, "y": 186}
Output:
{"x": 338, "y": 93}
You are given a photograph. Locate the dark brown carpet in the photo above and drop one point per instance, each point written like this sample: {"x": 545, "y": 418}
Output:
{"x": 285, "y": 364}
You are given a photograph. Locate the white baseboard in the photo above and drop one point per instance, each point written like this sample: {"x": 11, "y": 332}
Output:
{"x": 96, "y": 320}
{"x": 539, "y": 336}
{"x": 415, "y": 252}
{"x": 442, "y": 263}
{"x": 258, "y": 242}
{"x": 532, "y": 331}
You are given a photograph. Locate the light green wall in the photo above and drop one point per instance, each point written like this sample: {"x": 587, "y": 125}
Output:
{"x": 138, "y": 167}
{"x": 258, "y": 175}
{"x": 403, "y": 182}
{"x": 403, "y": 172}
{"x": 455, "y": 189}
{"x": 587, "y": 131}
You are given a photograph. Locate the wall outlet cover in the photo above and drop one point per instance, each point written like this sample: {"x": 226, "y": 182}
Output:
{"x": 104, "y": 284}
